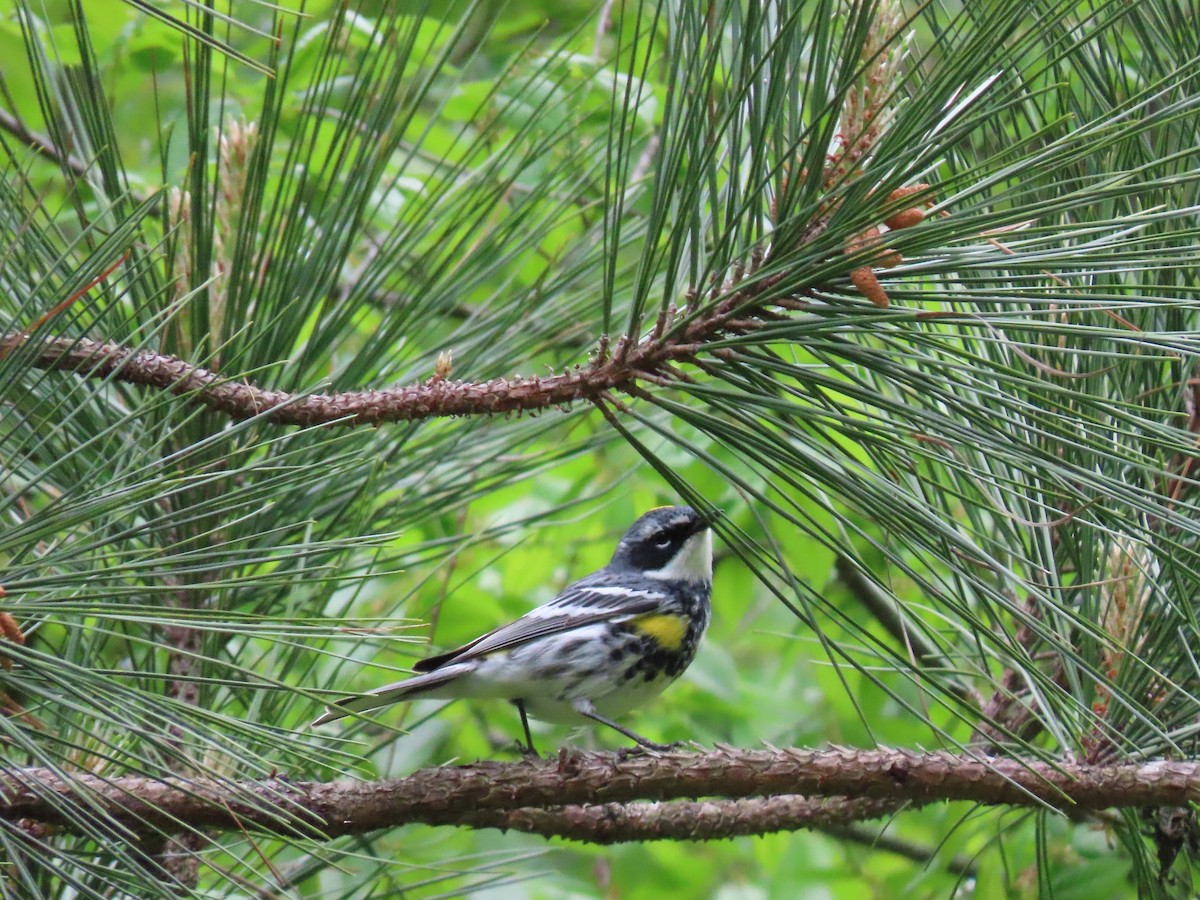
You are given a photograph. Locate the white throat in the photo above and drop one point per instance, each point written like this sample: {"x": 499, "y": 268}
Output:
{"x": 692, "y": 563}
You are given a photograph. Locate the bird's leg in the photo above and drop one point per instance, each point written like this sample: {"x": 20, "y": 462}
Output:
{"x": 632, "y": 735}
{"x": 528, "y": 749}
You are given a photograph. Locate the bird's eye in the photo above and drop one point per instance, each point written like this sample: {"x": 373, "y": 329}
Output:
{"x": 663, "y": 542}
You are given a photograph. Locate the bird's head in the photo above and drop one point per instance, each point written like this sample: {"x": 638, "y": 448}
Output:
{"x": 671, "y": 542}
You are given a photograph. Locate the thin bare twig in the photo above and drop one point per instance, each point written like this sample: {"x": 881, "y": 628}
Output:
{"x": 955, "y": 865}
{"x": 42, "y": 144}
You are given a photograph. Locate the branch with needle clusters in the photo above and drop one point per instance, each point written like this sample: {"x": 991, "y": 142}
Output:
{"x": 630, "y": 361}
{"x": 746, "y": 305}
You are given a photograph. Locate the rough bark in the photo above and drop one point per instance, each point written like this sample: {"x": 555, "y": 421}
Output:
{"x": 681, "y": 820}
{"x": 456, "y": 794}
{"x": 437, "y": 397}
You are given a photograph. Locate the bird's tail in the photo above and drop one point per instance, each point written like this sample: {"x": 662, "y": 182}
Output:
{"x": 421, "y": 685}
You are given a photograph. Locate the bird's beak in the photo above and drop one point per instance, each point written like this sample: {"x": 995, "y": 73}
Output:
{"x": 708, "y": 520}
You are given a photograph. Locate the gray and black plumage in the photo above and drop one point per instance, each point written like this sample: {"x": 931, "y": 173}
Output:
{"x": 605, "y": 645}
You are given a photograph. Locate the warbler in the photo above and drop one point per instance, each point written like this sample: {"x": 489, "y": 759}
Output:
{"x": 606, "y": 644}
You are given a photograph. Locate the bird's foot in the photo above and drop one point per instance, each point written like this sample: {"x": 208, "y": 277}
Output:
{"x": 528, "y": 752}
{"x": 645, "y": 747}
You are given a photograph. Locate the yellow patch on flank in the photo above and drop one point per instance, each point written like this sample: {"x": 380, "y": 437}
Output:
{"x": 667, "y": 630}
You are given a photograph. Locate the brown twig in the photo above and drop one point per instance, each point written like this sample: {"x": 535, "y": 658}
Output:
{"x": 437, "y": 397}
{"x": 10, "y": 631}
{"x": 42, "y": 144}
{"x": 955, "y": 865}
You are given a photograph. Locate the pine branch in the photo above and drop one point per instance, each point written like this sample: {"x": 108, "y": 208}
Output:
{"x": 618, "y": 823}
{"x": 437, "y": 397}
{"x": 499, "y": 794}
{"x": 962, "y": 866}
{"x": 41, "y": 144}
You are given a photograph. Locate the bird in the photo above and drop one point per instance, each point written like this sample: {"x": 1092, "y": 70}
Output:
{"x": 606, "y": 644}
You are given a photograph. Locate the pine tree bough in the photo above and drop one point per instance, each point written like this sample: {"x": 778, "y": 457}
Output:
{"x": 492, "y": 794}
{"x": 617, "y": 823}
{"x": 739, "y": 306}
{"x": 629, "y": 361}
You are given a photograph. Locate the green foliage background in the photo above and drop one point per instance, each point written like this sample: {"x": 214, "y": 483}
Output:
{"x": 498, "y": 183}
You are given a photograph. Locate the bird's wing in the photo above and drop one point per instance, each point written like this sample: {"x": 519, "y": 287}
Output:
{"x": 594, "y": 599}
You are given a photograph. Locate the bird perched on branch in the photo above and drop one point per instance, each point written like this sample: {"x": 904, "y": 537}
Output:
{"x": 605, "y": 645}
